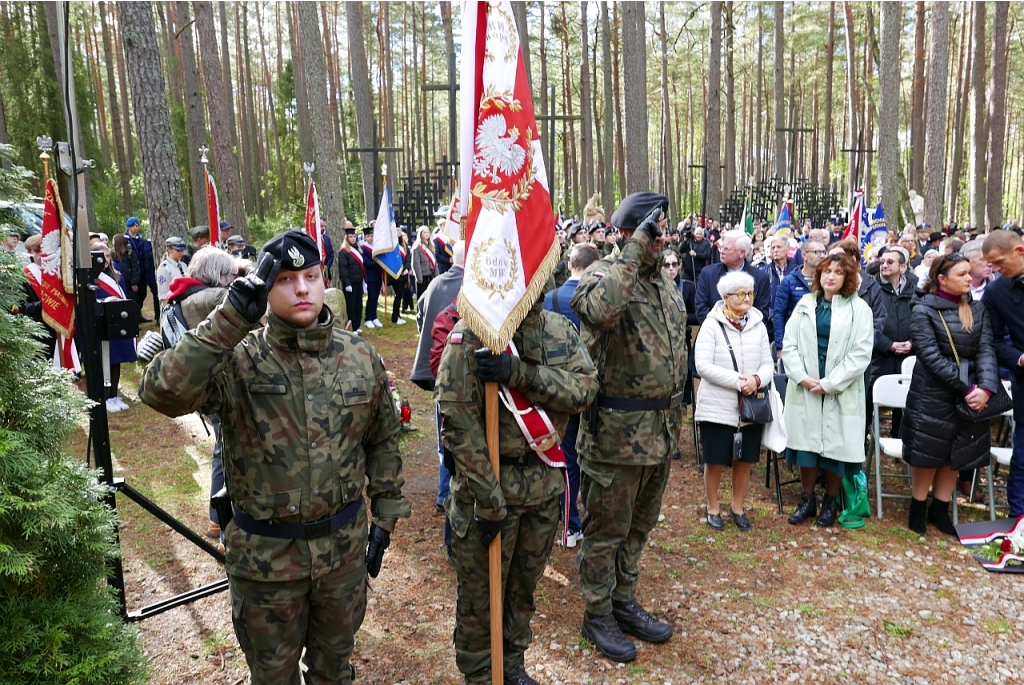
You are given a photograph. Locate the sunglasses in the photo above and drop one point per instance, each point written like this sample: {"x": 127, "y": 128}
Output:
{"x": 672, "y": 265}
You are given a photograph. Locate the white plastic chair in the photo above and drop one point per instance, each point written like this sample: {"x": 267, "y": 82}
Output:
{"x": 907, "y": 367}
{"x": 892, "y": 390}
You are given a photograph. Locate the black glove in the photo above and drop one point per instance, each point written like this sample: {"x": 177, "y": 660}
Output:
{"x": 380, "y": 539}
{"x": 490, "y": 367}
{"x": 488, "y": 529}
{"x": 650, "y": 223}
{"x": 249, "y": 295}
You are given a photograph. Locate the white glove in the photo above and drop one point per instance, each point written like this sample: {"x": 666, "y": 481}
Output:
{"x": 348, "y": 288}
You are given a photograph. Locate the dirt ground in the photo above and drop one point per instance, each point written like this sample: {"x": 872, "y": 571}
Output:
{"x": 777, "y": 604}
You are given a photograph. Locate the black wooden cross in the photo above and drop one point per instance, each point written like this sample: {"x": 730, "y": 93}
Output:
{"x": 375, "y": 150}
{"x": 451, "y": 88}
{"x": 858, "y": 151}
{"x": 551, "y": 117}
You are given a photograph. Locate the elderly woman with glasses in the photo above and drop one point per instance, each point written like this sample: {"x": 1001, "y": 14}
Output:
{"x": 733, "y": 358}
{"x": 948, "y": 330}
{"x": 826, "y": 350}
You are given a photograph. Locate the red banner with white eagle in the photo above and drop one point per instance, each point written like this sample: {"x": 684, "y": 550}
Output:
{"x": 510, "y": 231}
{"x": 58, "y": 305}
{"x": 213, "y": 210}
{"x": 312, "y": 222}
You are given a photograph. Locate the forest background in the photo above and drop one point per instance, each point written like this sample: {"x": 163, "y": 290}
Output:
{"x": 645, "y": 94}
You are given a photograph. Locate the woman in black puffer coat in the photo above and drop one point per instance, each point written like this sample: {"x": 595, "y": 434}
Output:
{"x": 936, "y": 441}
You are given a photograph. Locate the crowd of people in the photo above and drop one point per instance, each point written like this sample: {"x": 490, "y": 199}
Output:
{"x": 638, "y": 320}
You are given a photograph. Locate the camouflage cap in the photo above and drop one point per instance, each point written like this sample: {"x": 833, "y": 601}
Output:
{"x": 294, "y": 250}
{"x": 635, "y": 207}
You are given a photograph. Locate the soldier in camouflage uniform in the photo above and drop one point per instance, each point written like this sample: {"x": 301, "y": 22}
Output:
{"x": 634, "y": 324}
{"x": 556, "y": 373}
{"x": 308, "y": 422}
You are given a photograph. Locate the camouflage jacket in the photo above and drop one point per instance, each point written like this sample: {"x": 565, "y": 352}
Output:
{"x": 634, "y": 324}
{"x": 554, "y": 371}
{"x": 307, "y": 422}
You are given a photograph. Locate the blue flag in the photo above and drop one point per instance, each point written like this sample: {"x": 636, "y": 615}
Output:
{"x": 784, "y": 221}
{"x": 875, "y": 237}
{"x": 387, "y": 251}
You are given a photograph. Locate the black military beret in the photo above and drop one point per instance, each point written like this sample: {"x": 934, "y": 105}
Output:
{"x": 596, "y": 226}
{"x": 635, "y": 207}
{"x": 294, "y": 249}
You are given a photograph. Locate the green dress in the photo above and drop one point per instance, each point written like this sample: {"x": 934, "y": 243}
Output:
{"x": 801, "y": 458}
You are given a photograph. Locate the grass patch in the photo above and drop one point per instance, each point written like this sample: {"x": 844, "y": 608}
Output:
{"x": 809, "y": 610}
{"x": 998, "y": 626}
{"x": 898, "y": 631}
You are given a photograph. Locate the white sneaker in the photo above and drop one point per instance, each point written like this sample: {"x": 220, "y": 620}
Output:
{"x": 359, "y": 331}
{"x": 124, "y": 405}
{"x": 113, "y": 406}
{"x": 370, "y": 323}
{"x": 377, "y": 323}
{"x": 573, "y": 539}
{"x": 400, "y": 322}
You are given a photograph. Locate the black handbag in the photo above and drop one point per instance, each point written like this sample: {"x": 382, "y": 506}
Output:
{"x": 753, "y": 408}
{"x": 1000, "y": 403}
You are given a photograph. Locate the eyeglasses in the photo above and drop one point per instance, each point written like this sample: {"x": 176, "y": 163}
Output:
{"x": 818, "y": 252}
{"x": 743, "y": 296}
{"x": 672, "y": 265}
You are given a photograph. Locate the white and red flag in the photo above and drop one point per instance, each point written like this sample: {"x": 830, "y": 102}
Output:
{"x": 58, "y": 306}
{"x": 213, "y": 210}
{"x": 451, "y": 231}
{"x": 857, "y": 225}
{"x": 510, "y": 231}
{"x": 312, "y": 222}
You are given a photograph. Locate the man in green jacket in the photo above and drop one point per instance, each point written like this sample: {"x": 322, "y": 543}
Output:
{"x": 554, "y": 372}
{"x": 634, "y": 323}
{"x": 308, "y": 423}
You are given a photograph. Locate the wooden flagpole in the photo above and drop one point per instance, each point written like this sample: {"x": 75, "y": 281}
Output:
{"x": 494, "y": 552}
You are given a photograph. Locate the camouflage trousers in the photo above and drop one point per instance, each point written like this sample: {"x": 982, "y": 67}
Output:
{"x": 275, "y": 621}
{"x": 622, "y": 506}
{"x": 526, "y": 540}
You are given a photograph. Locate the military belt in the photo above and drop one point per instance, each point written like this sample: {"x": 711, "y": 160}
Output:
{"x": 297, "y": 531}
{"x": 636, "y": 404}
{"x": 528, "y": 459}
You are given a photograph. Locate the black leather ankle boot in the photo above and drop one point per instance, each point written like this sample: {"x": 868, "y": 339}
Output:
{"x": 918, "y": 510}
{"x": 807, "y": 509}
{"x": 828, "y": 512}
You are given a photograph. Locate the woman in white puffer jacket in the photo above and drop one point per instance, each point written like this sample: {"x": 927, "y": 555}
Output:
{"x": 733, "y": 321}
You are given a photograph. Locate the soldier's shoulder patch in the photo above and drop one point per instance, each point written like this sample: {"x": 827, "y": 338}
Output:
{"x": 455, "y": 338}
{"x": 597, "y": 274}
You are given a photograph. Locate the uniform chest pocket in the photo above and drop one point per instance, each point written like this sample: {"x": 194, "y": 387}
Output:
{"x": 350, "y": 404}
{"x": 353, "y": 391}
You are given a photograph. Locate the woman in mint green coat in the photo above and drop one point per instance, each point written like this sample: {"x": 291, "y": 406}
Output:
{"x": 826, "y": 350}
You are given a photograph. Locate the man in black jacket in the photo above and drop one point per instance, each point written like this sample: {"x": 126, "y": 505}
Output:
{"x": 734, "y": 248}
{"x": 1004, "y": 301}
{"x": 892, "y": 343}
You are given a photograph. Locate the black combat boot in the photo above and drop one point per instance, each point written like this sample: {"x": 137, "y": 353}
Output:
{"x": 807, "y": 509}
{"x": 607, "y": 637}
{"x": 938, "y": 516}
{"x": 918, "y": 509}
{"x": 632, "y": 618}
{"x": 519, "y": 678}
{"x": 829, "y": 511}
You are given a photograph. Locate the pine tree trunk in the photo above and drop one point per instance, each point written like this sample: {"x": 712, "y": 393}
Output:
{"x": 935, "y": 138}
{"x": 129, "y": 141}
{"x": 225, "y": 167}
{"x": 229, "y": 95}
{"x": 851, "y": 86}
{"x": 153, "y": 121}
{"x": 997, "y": 119}
{"x": 267, "y": 86}
{"x": 918, "y": 113}
{"x": 195, "y": 119}
{"x": 780, "y": 93}
{"x": 586, "y": 135}
{"x": 519, "y": 14}
{"x": 328, "y": 162}
{"x": 634, "y": 92}
{"x": 826, "y": 152}
{"x": 730, "y": 103}
{"x": 759, "y": 116}
{"x": 960, "y": 117}
{"x": 254, "y": 139}
{"x": 301, "y": 101}
{"x": 976, "y": 181}
{"x": 363, "y": 98}
{"x": 888, "y": 105}
{"x": 123, "y": 170}
{"x": 620, "y": 150}
{"x": 713, "y": 130}
{"x": 608, "y": 137}
{"x": 245, "y": 126}
{"x": 666, "y": 120}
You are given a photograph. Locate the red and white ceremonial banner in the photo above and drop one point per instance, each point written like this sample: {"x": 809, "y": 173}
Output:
{"x": 58, "y": 305}
{"x": 510, "y": 231}
{"x": 452, "y": 228}
{"x": 856, "y": 228}
{"x": 213, "y": 210}
{"x": 312, "y": 222}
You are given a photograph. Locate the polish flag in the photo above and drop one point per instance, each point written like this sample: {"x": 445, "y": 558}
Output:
{"x": 213, "y": 210}
{"x": 58, "y": 305}
{"x": 510, "y": 231}
{"x": 312, "y": 222}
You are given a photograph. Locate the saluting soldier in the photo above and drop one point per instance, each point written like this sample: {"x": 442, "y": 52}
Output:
{"x": 308, "y": 423}
{"x": 552, "y": 373}
{"x": 634, "y": 324}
